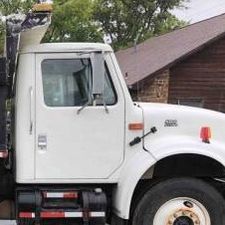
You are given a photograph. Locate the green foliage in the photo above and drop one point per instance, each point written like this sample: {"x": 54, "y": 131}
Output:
{"x": 167, "y": 24}
{"x": 72, "y": 21}
{"x": 8, "y": 7}
{"x": 126, "y": 21}
{"x": 129, "y": 21}
{"x": 2, "y": 37}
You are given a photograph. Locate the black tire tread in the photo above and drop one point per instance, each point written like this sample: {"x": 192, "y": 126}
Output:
{"x": 157, "y": 195}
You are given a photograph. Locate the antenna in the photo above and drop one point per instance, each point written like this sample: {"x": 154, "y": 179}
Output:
{"x": 136, "y": 64}
{"x": 136, "y": 41}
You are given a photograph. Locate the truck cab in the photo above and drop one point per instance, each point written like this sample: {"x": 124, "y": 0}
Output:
{"x": 75, "y": 148}
{"x": 62, "y": 133}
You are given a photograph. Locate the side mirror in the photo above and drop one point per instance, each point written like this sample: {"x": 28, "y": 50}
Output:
{"x": 98, "y": 66}
{"x": 98, "y": 78}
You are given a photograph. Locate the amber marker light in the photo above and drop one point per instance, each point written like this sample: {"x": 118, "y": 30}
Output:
{"x": 205, "y": 134}
{"x": 136, "y": 126}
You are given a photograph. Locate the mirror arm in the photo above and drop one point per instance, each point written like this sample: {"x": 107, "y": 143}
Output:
{"x": 84, "y": 106}
{"x": 100, "y": 97}
{"x": 105, "y": 106}
{"x": 95, "y": 97}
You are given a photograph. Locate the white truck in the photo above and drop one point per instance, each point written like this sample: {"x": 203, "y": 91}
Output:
{"x": 75, "y": 149}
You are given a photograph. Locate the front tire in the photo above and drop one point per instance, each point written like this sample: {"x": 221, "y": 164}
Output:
{"x": 180, "y": 201}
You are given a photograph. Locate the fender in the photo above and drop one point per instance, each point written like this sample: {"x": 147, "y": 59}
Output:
{"x": 136, "y": 167}
{"x": 180, "y": 144}
{"x": 131, "y": 173}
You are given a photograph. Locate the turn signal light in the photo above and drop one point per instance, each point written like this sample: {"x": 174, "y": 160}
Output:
{"x": 136, "y": 126}
{"x": 205, "y": 134}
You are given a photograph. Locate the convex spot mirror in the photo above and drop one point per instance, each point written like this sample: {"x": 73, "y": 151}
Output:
{"x": 98, "y": 66}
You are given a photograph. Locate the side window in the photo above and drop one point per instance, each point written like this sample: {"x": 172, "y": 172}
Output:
{"x": 67, "y": 82}
{"x": 109, "y": 95}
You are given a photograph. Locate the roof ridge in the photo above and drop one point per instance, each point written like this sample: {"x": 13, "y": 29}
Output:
{"x": 184, "y": 27}
{"x": 156, "y": 53}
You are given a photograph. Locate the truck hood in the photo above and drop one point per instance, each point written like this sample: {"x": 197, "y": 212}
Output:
{"x": 178, "y": 123}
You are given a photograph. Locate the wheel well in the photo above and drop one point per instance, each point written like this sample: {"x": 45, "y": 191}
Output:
{"x": 188, "y": 165}
{"x": 183, "y": 165}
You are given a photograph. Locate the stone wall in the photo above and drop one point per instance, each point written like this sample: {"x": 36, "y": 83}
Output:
{"x": 153, "y": 89}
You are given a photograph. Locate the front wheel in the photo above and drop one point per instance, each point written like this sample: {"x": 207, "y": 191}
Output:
{"x": 180, "y": 201}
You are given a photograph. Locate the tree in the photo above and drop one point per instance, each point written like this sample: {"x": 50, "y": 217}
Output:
{"x": 8, "y": 7}
{"x": 2, "y": 37}
{"x": 129, "y": 21}
{"x": 126, "y": 21}
{"x": 73, "y": 21}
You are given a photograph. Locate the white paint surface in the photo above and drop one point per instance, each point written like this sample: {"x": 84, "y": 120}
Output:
{"x": 6, "y": 222}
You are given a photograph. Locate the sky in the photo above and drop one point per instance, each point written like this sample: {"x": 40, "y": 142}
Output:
{"x": 201, "y": 9}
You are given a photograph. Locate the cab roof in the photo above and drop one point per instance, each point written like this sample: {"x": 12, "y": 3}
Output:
{"x": 66, "y": 47}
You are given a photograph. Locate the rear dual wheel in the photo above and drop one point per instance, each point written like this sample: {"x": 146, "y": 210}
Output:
{"x": 180, "y": 201}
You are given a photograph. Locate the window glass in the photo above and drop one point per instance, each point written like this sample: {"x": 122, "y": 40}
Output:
{"x": 67, "y": 82}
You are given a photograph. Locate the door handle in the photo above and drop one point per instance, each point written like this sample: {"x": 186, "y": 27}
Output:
{"x": 42, "y": 142}
{"x": 31, "y": 95}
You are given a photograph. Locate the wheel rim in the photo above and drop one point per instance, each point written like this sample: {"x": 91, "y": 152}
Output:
{"x": 182, "y": 211}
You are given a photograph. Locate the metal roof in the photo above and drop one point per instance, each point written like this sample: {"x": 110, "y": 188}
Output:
{"x": 163, "y": 51}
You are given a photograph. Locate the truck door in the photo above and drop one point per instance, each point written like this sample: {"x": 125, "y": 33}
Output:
{"x": 88, "y": 145}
